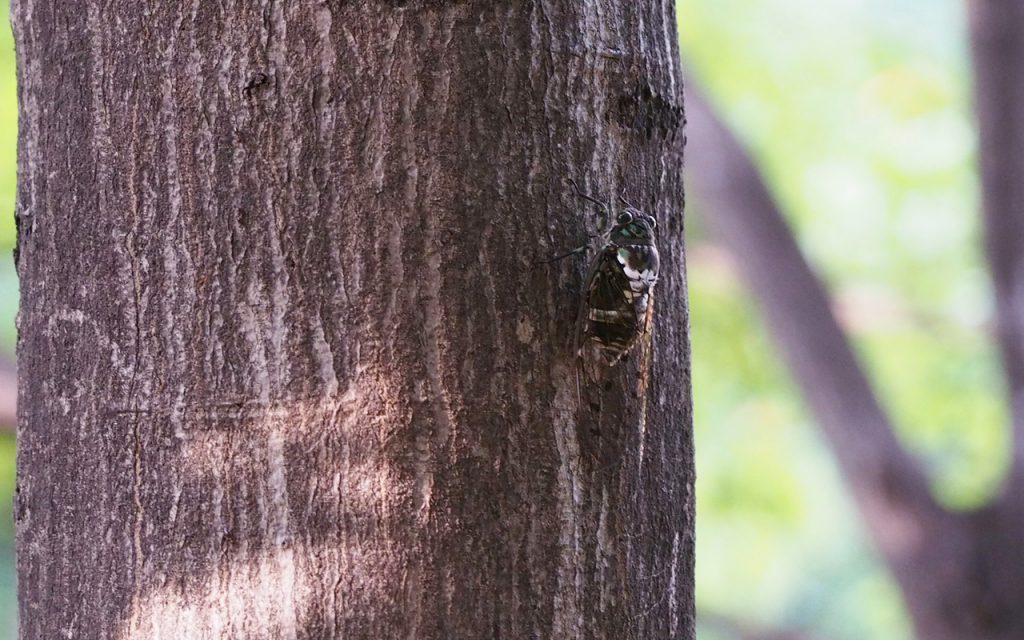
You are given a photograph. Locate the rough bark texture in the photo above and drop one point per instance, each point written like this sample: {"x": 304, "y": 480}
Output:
{"x": 290, "y": 364}
{"x": 959, "y": 572}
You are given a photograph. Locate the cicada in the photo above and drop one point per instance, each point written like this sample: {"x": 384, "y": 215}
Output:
{"x": 617, "y": 306}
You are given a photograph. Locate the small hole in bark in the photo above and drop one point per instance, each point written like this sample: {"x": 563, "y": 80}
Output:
{"x": 256, "y": 81}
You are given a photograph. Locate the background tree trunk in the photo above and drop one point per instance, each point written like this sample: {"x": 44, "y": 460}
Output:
{"x": 291, "y": 366}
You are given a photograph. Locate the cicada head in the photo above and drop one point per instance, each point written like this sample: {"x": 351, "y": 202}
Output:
{"x": 633, "y": 227}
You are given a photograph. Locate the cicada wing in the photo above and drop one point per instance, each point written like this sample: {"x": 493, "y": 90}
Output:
{"x": 605, "y": 318}
{"x": 647, "y": 344}
{"x": 648, "y": 326}
{"x": 581, "y": 312}
{"x": 582, "y": 350}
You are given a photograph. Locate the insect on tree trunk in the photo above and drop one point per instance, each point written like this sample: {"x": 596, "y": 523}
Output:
{"x": 293, "y": 365}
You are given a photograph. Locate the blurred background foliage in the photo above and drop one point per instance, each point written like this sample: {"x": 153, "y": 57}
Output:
{"x": 858, "y": 113}
{"x": 8, "y": 310}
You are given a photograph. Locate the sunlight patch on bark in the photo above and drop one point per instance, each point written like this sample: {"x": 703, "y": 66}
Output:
{"x": 223, "y": 605}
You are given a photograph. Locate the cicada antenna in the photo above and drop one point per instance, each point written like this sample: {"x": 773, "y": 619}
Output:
{"x": 603, "y": 205}
{"x": 578, "y": 250}
{"x": 622, "y": 199}
{"x": 581, "y": 194}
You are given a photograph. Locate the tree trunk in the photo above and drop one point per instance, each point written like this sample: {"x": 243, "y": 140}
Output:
{"x": 292, "y": 365}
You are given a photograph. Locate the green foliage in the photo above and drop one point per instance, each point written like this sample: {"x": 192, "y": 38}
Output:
{"x": 779, "y": 544}
{"x": 8, "y": 310}
{"x": 8, "y": 130}
{"x": 858, "y": 115}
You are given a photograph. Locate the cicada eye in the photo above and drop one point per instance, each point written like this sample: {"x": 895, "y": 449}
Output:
{"x": 652, "y": 222}
{"x": 625, "y": 218}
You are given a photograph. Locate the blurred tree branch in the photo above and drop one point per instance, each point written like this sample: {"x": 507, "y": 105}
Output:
{"x": 959, "y": 572}
{"x": 889, "y": 485}
{"x": 998, "y": 46}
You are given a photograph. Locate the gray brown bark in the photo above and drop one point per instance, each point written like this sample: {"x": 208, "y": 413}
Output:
{"x": 290, "y": 364}
{"x": 959, "y": 572}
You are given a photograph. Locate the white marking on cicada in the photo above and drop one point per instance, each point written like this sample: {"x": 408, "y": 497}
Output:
{"x": 606, "y": 315}
{"x": 644, "y": 277}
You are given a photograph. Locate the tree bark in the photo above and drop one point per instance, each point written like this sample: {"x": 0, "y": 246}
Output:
{"x": 291, "y": 363}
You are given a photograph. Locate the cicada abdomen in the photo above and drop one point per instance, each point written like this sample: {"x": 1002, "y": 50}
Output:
{"x": 618, "y": 303}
